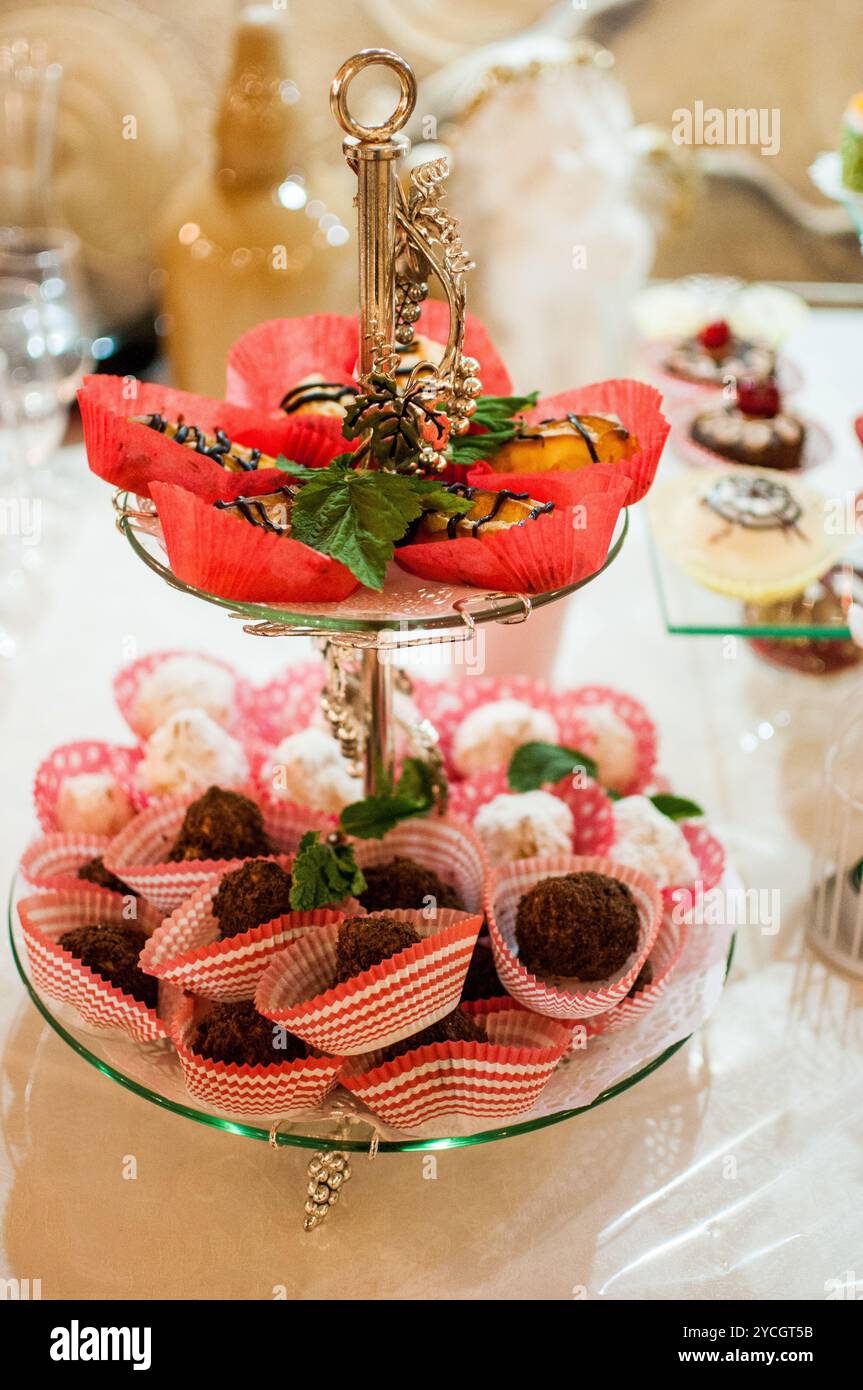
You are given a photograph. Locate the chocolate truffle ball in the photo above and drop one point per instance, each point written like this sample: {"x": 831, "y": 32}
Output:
{"x": 642, "y": 979}
{"x": 221, "y": 825}
{"x": 255, "y": 893}
{"x": 454, "y": 1027}
{"x": 404, "y": 883}
{"x": 111, "y": 951}
{"x": 366, "y": 941}
{"x": 238, "y": 1033}
{"x": 582, "y": 925}
{"x": 482, "y": 981}
{"x": 94, "y": 872}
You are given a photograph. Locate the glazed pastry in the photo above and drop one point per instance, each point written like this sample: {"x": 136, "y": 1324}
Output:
{"x": 573, "y": 442}
{"x": 315, "y": 396}
{"x": 236, "y": 458}
{"x": 716, "y": 354}
{"x": 851, "y": 146}
{"x": 754, "y": 429}
{"x": 745, "y": 533}
{"x": 271, "y": 511}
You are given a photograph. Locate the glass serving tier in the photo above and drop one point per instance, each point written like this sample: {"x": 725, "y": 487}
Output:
{"x": 407, "y": 604}
{"x": 152, "y": 1071}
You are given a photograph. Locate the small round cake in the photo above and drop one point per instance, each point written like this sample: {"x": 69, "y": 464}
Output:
{"x": 645, "y": 839}
{"x": 93, "y": 803}
{"x": 183, "y": 682}
{"x": 454, "y": 1027}
{"x": 403, "y": 883}
{"x": 308, "y": 768}
{"x": 754, "y": 429}
{"x": 366, "y": 941}
{"x": 581, "y": 926}
{"x": 490, "y": 734}
{"x": 94, "y": 872}
{"x": 258, "y": 892}
{"x": 221, "y": 825}
{"x": 715, "y": 354}
{"x": 521, "y": 825}
{"x": 642, "y": 979}
{"x": 612, "y": 746}
{"x": 111, "y": 951}
{"x": 482, "y": 980}
{"x": 191, "y": 751}
{"x": 238, "y": 1035}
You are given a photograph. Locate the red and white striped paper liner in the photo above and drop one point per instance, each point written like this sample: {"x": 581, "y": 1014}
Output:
{"x": 71, "y": 759}
{"x": 188, "y": 951}
{"x": 630, "y": 711}
{"x": 561, "y": 999}
{"x": 384, "y": 1004}
{"x": 444, "y": 844}
{"x": 592, "y": 808}
{"x": 45, "y": 916}
{"x": 280, "y": 1088}
{"x": 136, "y": 855}
{"x": 53, "y": 862}
{"x": 128, "y": 681}
{"x": 667, "y": 951}
{"x": 501, "y": 1077}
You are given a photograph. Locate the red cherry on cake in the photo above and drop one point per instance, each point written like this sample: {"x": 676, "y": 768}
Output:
{"x": 758, "y": 396}
{"x": 715, "y": 335}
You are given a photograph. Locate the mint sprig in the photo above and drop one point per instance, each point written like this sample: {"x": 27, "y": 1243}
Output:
{"x": 323, "y": 873}
{"x": 537, "y": 764}
{"x": 413, "y": 795}
{"x": 356, "y": 514}
{"x": 497, "y": 416}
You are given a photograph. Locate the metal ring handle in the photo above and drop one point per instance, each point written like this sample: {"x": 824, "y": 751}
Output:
{"x": 371, "y": 57}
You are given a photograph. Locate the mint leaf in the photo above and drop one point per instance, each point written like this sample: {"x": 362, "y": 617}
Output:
{"x": 413, "y": 796}
{"x": 676, "y": 807}
{"x": 356, "y": 515}
{"x": 495, "y": 414}
{"x": 497, "y": 411}
{"x": 536, "y": 764}
{"x": 323, "y": 874}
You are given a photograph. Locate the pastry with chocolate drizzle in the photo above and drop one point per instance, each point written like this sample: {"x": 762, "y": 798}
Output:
{"x": 575, "y": 441}
{"x": 236, "y": 458}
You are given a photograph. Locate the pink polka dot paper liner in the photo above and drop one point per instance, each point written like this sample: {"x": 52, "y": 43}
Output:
{"x": 576, "y": 734}
{"x": 137, "y": 854}
{"x": 187, "y": 951}
{"x": 45, "y": 916}
{"x": 447, "y": 705}
{"x": 382, "y": 1005}
{"x": 592, "y": 808}
{"x": 564, "y": 999}
{"x": 284, "y": 705}
{"x": 279, "y": 1088}
{"x": 817, "y": 445}
{"x": 53, "y": 861}
{"x": 498, "y": 1078}
{"x": 666, "y": 952}
{"x": 71, "y": 759}
{"x": 709, "y": 855}
{"x": 128, "y": 680}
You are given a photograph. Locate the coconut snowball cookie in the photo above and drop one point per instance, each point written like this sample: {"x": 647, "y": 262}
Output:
{"x": 308, "y": 768}
{"x": 645, "y": 839}
{"x": 179, "y": 683}
{"x": 93, "y": 803}
{"x": 524, "y": 824}
{"x": 612, "y": 745}
{"x": 490, "y": 734}
{"x": 190, "y": 752}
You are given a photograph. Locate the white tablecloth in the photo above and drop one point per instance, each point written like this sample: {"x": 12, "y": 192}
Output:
{"x": 732, "y": 1171}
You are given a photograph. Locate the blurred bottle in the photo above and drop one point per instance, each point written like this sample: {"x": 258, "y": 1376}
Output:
{"x": 260, "y": 235}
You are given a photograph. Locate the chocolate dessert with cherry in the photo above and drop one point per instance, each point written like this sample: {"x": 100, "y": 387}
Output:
{"x": 752, "y": 429}
{"x": 716, "y": 354}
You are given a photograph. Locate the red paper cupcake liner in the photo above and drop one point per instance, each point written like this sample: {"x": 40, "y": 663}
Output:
{"x": 282, "y": 1088}
{"x": 444, "y": 844}
{"x": 128, "y": 680}
{"x": 384, "y": 1004}
{"x": 789, "y": 375}
{"x": 632, "y": 713}
{"x": 553, "y": 551}
{"x": 264, "y": 363}
{"x": 592, "y": 808}
{"x": 136, "y": 855}
{"x": 70, "y": 759}
{"x": 502, "y": 1077}
{"x": 510, "y": 882}
{"x": 817, "y": 445}
{"x": 285, "y": 704}
{"x": 53, "y": 862}
{"x": 709, "y": 855}
{"x": 664, "y": 957}
{"x": 187, "y": 950}
{"x": 44, "y": 917}
{"x": 216, "y": 552}
{"x": 131, "y": 455}
{"x": 635, "y": 403}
